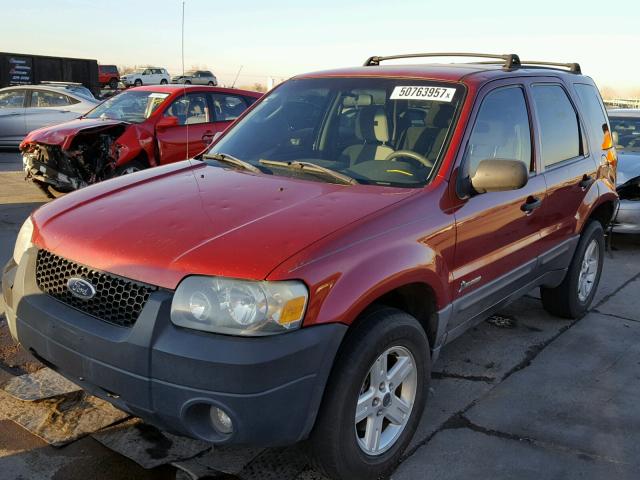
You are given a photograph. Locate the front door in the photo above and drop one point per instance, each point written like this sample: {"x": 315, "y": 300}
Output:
{"x": 498, "y": 233}
{"x": 194, "y": 131}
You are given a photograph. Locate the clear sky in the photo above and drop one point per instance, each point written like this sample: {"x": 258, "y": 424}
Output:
{"x": 281, "y": 38}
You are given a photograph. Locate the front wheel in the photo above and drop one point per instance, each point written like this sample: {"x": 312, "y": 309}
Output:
{"x": 374, "y": 399}
{"x": 211, "y": 84}
{"x": 572, "y": 297}
{"x": 131, "y": 167}
{"x": 163, "y": 81}
{"x": 137, "y": 83}
{"x": 113, "y": 84}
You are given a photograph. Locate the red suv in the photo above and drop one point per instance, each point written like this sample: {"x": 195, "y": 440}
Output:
{"x": 108, "y": 76}
{"x": 298, "y": 280}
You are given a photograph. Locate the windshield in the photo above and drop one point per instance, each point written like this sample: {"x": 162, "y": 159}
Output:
{"x": 628, "y": 130}
{"x": 132, "y": 106}
{"x": 374, "y": 130}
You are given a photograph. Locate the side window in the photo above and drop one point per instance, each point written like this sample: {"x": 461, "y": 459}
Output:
{"x": 190, "y": 110}
{"x": 501, "y": 130}
{"x": 40, "y": 98}
{"x": 558, "y": 124}
{"x": 592, "y": 106}
{"x": 146, "y": 72}
{"x": 12, "y": 99}
{"x": 227, "y": 107}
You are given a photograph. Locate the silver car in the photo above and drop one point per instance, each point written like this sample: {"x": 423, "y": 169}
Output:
{"x": 625, "y": 124}
{"x": 27, "y": 107}
{"x": 196, "y": 77}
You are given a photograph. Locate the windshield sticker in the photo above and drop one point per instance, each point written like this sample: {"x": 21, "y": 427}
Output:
{"x": 158, "y": 95}
{"x": 437, "y": 94}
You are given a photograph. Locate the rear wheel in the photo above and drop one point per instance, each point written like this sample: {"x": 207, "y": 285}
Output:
{"x": 374, "y": 399}
{"x": 211, "y": 83}
{"x": 572, "y": 297}
{"x": 187, "y": 82}
{"x": 163, "y": 81}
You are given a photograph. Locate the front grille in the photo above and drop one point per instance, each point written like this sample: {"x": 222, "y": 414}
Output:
{"x": 117, "y": 300}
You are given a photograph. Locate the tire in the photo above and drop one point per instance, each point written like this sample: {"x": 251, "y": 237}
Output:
{"x": 565, "y": 300}
{"x": 113, "y": 84}
{"x": 211, "y": 84}
{"x": 187, "y": 82}
{"x": 137, "y": 83}
{"x": 131, "y": 167}
{"x": 337, "y": 444}
{"x": 163, "y": 81}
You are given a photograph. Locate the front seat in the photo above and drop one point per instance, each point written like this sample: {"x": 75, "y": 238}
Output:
{"x": 372, "y": 129}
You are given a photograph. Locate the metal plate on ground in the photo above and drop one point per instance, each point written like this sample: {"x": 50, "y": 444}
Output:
{"x": 229, "y": 460}
{"x": 43, "y": 384}
{"x": 148, "y": 446}
{"x": 63, "y": 419}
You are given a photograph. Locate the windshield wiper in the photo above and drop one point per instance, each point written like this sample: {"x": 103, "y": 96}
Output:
{"x": 231, "y": 160}
{"x": 311, "y": 167}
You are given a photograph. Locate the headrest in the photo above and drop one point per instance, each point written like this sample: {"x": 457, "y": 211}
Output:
{"x": 372, "y": 125}
{"x": 442, "y": 119}
{"x": 362, "y": 100}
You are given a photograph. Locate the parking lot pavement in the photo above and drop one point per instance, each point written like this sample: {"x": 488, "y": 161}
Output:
{"x": 10, "y": 160}
{"x": 522, "y": 395}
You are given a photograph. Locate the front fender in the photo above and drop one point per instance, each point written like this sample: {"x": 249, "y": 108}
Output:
{"x": 135, "y": 140}
{"x": 342, "y": 284}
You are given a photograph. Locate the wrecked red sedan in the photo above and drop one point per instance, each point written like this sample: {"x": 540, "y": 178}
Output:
{"x": 137, "y": 129}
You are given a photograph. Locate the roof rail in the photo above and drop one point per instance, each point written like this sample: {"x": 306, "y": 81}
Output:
{"x": 61, "y": 84}
{"x": 573, "y": 67}
{"x": 510, "y": 60}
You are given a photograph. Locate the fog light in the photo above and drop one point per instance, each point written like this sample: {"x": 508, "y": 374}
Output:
{"x": 221, "y": 421}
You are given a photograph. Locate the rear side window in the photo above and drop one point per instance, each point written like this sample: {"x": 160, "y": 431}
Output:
{"x": 501, "y": 130}
{"x": 592, "y": 107}
{"x": 227, "y": 107}
{"x": 558, "y": 124}
{"x": 12, "y": 99}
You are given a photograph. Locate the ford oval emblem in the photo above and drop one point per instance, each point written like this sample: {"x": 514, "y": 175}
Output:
{"x": 81, "y": 288}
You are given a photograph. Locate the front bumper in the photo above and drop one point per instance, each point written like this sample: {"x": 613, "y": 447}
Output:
{"x": 628, "y": 218}
{"x": 271, "y": 387}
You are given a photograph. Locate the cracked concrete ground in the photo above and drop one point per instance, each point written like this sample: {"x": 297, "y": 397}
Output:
{"x": 530, "y": 396}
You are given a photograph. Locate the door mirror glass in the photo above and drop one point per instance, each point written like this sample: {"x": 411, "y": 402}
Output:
{"x": 497, "y": 175}
{"x": 166, "y": 122}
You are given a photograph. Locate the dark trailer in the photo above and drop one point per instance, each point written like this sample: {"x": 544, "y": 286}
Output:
{"x": 24, "y": 69}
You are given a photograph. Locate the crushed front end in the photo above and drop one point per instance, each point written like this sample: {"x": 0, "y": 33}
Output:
{"x": 90, "y": 157}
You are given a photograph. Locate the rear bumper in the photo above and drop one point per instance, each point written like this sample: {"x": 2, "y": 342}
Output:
{"x": 628, "y": 218}
{"x": 271, "y": 387}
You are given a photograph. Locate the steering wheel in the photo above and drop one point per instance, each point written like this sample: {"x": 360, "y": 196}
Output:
{"x": 410, "y": 154}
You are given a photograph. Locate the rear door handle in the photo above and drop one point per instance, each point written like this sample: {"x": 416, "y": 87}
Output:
{"x": 586, "y": 181}
{"x": 531, "y": 204}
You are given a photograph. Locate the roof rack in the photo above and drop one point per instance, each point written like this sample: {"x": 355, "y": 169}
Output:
{"x": 510, "y": 60}
{"x": 572, "y": 67}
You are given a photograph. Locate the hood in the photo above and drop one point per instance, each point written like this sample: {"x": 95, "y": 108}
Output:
{"x": 628, "y": 166}
{"x": 162, "y": 224}
{"x": 64, "y": 133}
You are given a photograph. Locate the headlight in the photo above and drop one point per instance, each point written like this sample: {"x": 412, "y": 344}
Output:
{"x": 239, "y": 307}
{"x": 23, "y": 242}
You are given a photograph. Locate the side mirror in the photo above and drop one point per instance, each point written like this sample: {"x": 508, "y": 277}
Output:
{"x": 497, "y": 175}
{"x": 166, "y": 122}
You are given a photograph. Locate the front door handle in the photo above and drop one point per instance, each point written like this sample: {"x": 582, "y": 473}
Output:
{"x": 531, "y": 204}
{"x": 586, "y": 181}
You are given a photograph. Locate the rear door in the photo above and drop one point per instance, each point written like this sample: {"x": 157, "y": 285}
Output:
{"x": 569, "y": 168}
{"x": 498, "y": 233}
{"x": 194, "y": 131}
{"x": 226, "y": 108}
{"x": 12, "y": 123}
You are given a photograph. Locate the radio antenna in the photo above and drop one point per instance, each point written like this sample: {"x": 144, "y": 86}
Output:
{"x": 184, "y": 87}
{"x": 237, "y": 75}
